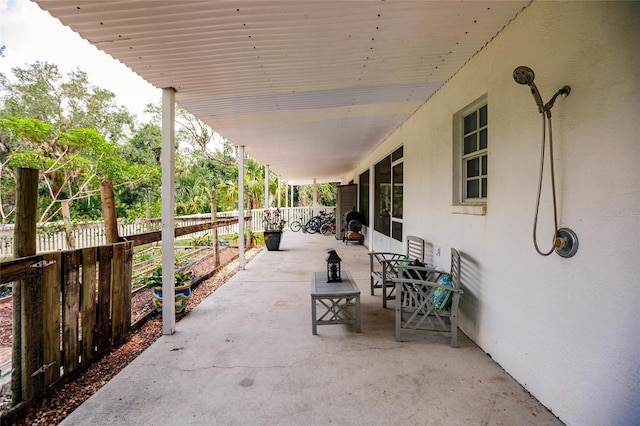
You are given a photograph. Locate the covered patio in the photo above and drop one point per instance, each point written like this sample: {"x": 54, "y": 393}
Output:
{"x": 246, "y": 355}
{"x": 349, "y": 92}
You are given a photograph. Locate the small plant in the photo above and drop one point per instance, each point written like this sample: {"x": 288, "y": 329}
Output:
{"x": 201, "y": 241}
{"x": 181, "y": 279}
{"x": 272, "y": 220}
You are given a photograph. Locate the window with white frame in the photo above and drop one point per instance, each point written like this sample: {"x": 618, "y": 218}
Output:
{"x": 471, "y": 154}
{"x": 388, "y": 190}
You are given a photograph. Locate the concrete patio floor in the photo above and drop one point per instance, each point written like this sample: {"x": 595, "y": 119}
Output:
{"x": 246, "y": 356}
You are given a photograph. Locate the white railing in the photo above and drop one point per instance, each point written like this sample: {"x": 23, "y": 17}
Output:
{"x": 90, "y": 234}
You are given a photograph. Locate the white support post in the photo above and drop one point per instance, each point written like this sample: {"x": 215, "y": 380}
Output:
{"x": 286, "y": 194}
{"x": 241, "y": 208}
{"x": 372, "y": 214}
{"x": 266, "y": 187}
{"x": 167, "y": 160}
{"x": 315, "y": 193}
{"x": 278, "y": 192}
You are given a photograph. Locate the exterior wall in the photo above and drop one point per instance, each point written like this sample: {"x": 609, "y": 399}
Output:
{"x": 567, "y": 329}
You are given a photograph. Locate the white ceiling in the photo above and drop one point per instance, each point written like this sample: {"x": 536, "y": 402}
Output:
{"x": 308, "y": 87}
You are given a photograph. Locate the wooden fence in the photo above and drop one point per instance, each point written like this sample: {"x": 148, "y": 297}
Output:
{"x": 71, "y": 306}
{"x": 74, "y": 305}
{"x": 52, "y": 238}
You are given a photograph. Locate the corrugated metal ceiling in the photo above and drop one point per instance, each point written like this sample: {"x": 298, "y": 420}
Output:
{"x": 309, "y": 87}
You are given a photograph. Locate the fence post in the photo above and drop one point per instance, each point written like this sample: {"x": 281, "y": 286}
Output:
{"x": 68, "y": 225}
{"x": 24, "y": 240}
{"x": 109, "y": 211}
{"x": 214, "y": 219}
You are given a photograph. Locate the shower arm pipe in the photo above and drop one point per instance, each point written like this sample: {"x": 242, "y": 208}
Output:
{"x": 564, "y": 92}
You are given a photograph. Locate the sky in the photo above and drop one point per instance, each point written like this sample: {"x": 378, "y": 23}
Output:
{"x": 31, "y": 34}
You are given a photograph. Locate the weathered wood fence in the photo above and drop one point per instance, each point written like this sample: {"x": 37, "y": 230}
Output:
{"x": 51, "y": 238}
{"x": 75, "y": 305}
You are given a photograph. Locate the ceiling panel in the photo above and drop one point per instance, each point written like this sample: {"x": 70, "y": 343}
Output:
{"x": 308, "y": 87}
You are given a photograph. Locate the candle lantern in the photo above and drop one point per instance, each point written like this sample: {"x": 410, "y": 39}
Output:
{"x": 333, "y": 267}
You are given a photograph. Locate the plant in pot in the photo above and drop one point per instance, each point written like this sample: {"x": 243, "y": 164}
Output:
{"x": 182, "y": 289}
{"x": 273, "y": 224}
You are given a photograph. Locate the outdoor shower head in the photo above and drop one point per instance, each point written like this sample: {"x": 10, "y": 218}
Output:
{"x": 525, "y": 75}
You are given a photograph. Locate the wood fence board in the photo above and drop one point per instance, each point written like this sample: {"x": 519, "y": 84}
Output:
{"x": 88, "y": 308}
{"x": 117, "y": 293}
{"x": 51, "y": 295}
{"x": 32, "y": 337}
{"x": 19, "y": 269}
{"x": 70, "y": 309}
{"x": 128, "y": 274}
{"x": 151, "y": 237}
{"x": 105, "y": 254}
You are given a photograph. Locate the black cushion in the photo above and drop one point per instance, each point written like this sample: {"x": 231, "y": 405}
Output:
{"x": 416, "y": 275}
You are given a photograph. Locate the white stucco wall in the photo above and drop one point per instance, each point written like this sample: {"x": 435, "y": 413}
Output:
{"x": 567, "y": 329}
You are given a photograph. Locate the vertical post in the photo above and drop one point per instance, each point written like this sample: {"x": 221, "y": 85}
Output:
{"x": 168, "y": 201}
{"x": 372, "y": 213}
{"x": 68, "y": 225}
{"x": 286, "y": 194}
{"x": 148, "y": 209}
{"x": 214, "y": 219}
{"x": 24, "y": 244}
{"x": 241, "y": 207}
{"x": 278, "y": 192}
{"x": 109, "y": 210}
{"x": 315, "y": 193}
{"x": 266, "y": 187}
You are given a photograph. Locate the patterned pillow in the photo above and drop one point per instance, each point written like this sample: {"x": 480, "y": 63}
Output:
{"x": 442, "y": 297}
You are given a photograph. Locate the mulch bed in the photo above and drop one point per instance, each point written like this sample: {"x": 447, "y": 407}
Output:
{"x": 60, "y": 402}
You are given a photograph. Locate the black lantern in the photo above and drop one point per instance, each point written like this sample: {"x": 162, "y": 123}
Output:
{"x": 333, "y": 267}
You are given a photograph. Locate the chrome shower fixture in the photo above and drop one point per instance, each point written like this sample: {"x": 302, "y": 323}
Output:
{"x": 525, "y": 75}
{"x": 565, "y": 241}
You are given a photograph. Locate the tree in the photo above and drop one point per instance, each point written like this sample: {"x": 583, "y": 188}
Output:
{"x": 59, "y": 125}
{"x": 326, "y": 194}
{"x": 71, "y": 162}
{"x": 41, "y": 92}
{"x": 194, "y": 135}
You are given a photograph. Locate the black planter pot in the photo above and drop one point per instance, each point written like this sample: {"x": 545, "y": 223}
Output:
{"x": 272, "y": 240}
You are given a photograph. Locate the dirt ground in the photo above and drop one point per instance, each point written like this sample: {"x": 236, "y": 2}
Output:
{"x": 55, "y": 406}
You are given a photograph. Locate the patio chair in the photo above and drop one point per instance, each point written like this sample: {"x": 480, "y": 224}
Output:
{"x": 384, "y": 266}
{"x": 428, "y": 300}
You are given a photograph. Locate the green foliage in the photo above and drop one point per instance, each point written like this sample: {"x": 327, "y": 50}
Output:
{"x": 25, "y": 129}
{"x": 71, "y": 161}
{"x": 326, "y": 194}
{"x": 181, "y": 279}
{"x": 75, "y": 134}
{"x": 40, "y": 91}
{"x": 202, "y": 241}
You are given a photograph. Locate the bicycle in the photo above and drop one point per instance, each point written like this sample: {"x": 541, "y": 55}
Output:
{"x": 329, "y": 224}
{"x": 295, "y": 225}
{"x": 328, "y": 228}
{"x": 311, "y": 226}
